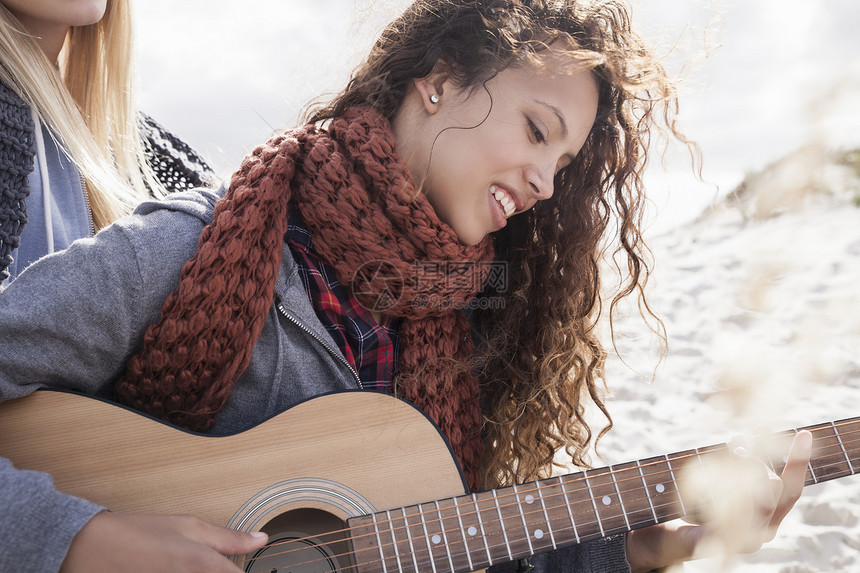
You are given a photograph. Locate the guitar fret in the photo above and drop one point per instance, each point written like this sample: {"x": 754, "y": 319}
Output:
{"x": 675, "y": 481}
{"x": 828, "y": 453}
{"x": 412, "y": 523}
{"x": 391, "y": 529}
{"x": 842, "y": 447}
{"x": 809, "y": 464}
{"x": 612, "y": 473}
{"x": 412, "y": 550}
{"x": 363, "y": 533}
{"x": 444, "y": 535}
{"x": 483, "y": 531}
{"x": 585, "y": 508}
{"x": 379, "y": 544}
{"x": 463, "y": 533}
{"x": 606, "y": 501}
{"x": 661, "y": 488}
{"x": 516, "y": 525}
{"x": 437, "y": 541}
{"x": 854, "y": 451}
{"x": 634, "y": 499}
{"x": 536, "y": 525}
{"x": 556, "y": 512}
{"x": 526, "y": 532}
{"x": 493, "y": 527}
{"x": 546, "y": 517}
{"x": 594, "y": 504}
{"x": 502, "y": 525}
{"x": 427, "y": 538}
{"x": 647, "y": 493}
{"x": 569, "y": 508}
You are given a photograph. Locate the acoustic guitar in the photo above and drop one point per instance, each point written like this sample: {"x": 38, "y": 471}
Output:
{"x": 356, "y": 482}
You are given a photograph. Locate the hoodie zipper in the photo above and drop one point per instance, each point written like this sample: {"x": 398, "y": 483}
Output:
{"x": 87, "y": 204}
{"x": 337, "y": 355}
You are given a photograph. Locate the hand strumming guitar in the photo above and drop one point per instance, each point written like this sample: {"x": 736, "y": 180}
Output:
{"x": 130, "y": 543}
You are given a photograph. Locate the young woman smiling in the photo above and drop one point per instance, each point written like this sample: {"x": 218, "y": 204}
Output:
{"x": 478, "y": 134}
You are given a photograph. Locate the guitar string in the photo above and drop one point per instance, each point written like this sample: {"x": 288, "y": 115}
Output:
{"x": 460, "y": 530}
{"x": 418, "y": 556}
{"x": 658, "y": 461}
{"x": 478, "y": 553}
{"x": 453, "y": 556}
{"x": 637, "y": 478}
{"x": 537, "y": 487}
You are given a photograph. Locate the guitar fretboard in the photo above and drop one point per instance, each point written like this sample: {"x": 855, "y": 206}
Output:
{"x": 474, "y": 531}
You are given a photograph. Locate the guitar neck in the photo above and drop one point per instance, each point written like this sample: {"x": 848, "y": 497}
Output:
{"x": 469, "y": 532}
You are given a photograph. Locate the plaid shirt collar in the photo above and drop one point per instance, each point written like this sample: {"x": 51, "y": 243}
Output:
{"x": 370, "y": 348}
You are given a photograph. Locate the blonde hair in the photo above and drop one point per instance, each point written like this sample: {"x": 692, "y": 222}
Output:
{"x": 89, "y": 105}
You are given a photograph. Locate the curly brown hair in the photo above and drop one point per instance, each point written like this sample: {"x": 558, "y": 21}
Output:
{"x": 541, "y": 360}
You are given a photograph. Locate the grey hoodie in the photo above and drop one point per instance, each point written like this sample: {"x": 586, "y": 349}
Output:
{"x": 73, "y": 319}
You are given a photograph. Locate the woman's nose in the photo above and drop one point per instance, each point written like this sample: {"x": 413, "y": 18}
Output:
{"x": 542, "y": 181}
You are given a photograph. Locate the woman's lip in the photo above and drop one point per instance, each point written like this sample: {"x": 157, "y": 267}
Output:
{"x": 497, "y": 210}
{"x": 518, "y": 205}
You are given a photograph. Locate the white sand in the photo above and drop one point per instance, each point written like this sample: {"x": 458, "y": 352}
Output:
{"x": 761, "y": 302}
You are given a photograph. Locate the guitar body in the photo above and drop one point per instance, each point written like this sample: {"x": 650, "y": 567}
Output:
{"x": 360, "y": 482}
{"x": 298, "y": 476}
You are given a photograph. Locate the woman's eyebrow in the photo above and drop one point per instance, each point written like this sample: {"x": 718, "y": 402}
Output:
{"x": 557, "y": 113}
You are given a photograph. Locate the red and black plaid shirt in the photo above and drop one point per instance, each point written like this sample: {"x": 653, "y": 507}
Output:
{"x": 371, "y": 348}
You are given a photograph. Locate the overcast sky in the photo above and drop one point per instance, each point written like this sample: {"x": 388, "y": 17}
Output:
{"x": 779, "y": 74}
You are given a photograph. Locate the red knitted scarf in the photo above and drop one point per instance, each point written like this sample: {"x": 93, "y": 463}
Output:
{"x": 378, "y": 232}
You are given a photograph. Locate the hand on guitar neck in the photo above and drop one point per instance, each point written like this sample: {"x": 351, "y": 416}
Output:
{"x": 119, "y": 542}
{"x": 764, "y": 504}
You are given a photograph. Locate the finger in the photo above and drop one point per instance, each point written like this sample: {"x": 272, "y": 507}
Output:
{"x": 231, "y": 542}
{"x": 793, "y": 475}
{"x": 768, "y": 505}
{"x": 224, "y": 541}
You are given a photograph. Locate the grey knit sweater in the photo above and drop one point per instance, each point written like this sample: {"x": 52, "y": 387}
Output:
{"x": 175, "y": 164}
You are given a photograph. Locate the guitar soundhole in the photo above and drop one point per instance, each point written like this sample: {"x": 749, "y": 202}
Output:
{"x": 302, "y": 541}
{"x": 293, "y": 555}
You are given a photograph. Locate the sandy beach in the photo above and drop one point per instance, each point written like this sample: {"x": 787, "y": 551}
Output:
{"x": 760, "y": 300}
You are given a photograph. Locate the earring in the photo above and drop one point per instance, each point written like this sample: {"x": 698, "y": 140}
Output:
{"x": 434, "y": 98}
